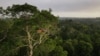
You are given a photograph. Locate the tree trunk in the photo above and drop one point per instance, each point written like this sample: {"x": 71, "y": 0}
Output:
{"x": 29, "y": 42}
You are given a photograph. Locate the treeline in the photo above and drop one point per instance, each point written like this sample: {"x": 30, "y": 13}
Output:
{"x": 28, "y": 31}
{"x": 80, "y": 39}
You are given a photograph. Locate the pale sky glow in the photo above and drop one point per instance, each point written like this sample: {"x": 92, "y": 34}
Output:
{"x": 91, "y": 12}
{"x": 63, "y": 8}
{"x": 77, "y": 14}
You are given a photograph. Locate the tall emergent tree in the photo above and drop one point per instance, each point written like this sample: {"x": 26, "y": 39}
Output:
{"x": 30, "y": 28}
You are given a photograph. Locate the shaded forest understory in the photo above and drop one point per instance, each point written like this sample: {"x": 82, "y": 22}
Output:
{"x": 33, "y": 32}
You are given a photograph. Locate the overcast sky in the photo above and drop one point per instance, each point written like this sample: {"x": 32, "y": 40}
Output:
{"x": 63, "y": 8}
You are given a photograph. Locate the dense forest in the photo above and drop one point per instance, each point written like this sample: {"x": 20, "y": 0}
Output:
{"x": 27, "y": 31}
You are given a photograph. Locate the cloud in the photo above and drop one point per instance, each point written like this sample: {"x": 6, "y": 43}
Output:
{"x": 61, "y": 6}
{"x": 56, "y": 5}
{"x": 67, "y": 5}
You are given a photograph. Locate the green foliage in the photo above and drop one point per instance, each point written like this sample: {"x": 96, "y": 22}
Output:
{"x": 45, "y": 48}
{"x": 80, "y": 39}
{"x": 84, "y": 48}
{"x": 58, "y": 51}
